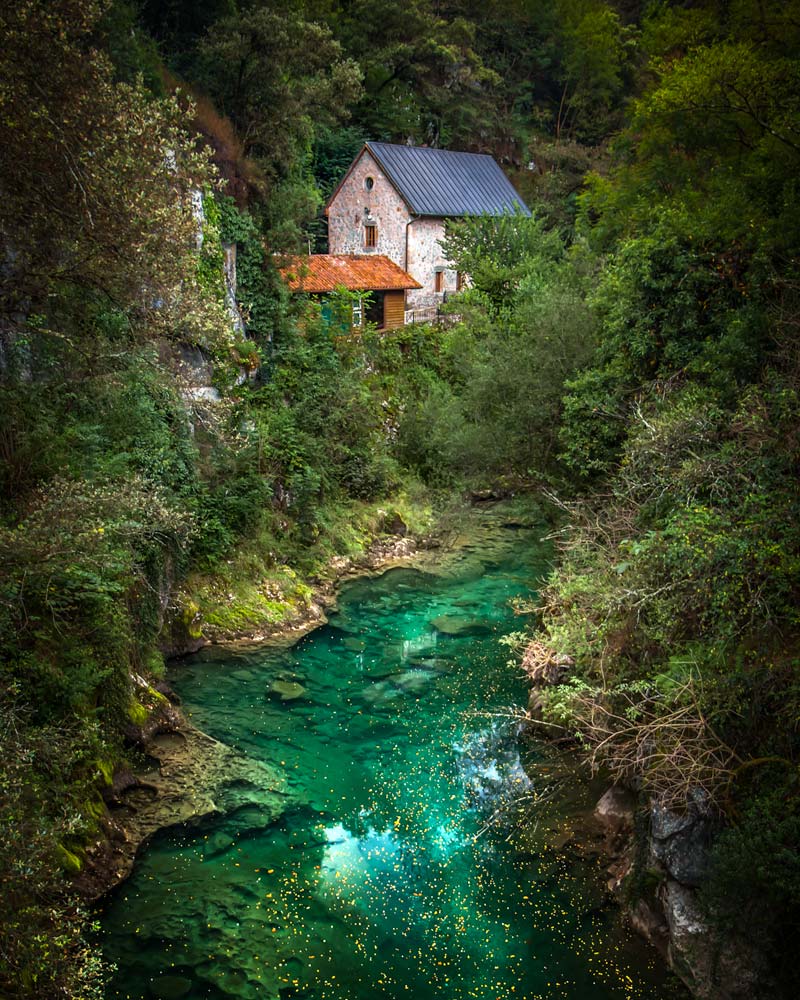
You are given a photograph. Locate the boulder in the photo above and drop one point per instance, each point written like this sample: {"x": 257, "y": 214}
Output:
{"x": 614, "y": 812}
{"x": 688, "y": 936}
{"x": 713, "y": 968}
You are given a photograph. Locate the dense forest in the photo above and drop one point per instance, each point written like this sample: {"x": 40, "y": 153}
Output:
{"x": 630, "y": 352}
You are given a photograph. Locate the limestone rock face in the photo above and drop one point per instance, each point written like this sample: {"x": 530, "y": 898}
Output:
{"x": 688, "y": 936}
{"x": 681, "y": 842}
{"x": 194, "y": 777}
{"x": 713, "y": 968}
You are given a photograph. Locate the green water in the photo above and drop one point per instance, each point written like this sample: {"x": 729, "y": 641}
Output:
{"x": 400, "y": 868}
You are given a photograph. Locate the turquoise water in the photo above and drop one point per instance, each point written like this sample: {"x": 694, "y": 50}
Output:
{"x": 413, "y": 860}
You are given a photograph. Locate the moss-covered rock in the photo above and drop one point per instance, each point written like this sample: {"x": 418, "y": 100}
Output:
{"x": 71, "y": 862}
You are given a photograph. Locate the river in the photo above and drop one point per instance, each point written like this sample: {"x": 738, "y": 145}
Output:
{"x": 417, "y": 856}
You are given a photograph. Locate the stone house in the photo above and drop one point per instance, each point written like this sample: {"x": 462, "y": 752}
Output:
{"x": 395, "y": 200}
{"x": 382, "y": 281}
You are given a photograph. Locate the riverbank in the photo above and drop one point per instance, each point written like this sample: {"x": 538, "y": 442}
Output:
{"x": 253, "y": 597}
{"x": 657, "y": 858}
{"x": 185, "y": 776}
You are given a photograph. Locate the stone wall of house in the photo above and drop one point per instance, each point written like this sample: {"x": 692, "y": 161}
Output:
{"x": 354, "y": 205}
{"x": 425, "y": 258}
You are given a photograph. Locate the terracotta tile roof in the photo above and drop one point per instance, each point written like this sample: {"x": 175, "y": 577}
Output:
{"x": 324, "y": 272}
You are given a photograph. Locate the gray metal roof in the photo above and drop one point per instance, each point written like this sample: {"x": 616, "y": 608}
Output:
{"x": 444, "y": 183}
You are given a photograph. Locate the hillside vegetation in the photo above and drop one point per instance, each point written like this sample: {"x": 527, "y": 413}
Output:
{"x": 632, "y": 349}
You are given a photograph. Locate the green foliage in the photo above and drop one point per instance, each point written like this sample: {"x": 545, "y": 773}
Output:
{"x": 273, "y": 72}
{"x": 262, "y": 295}
{"x": 210, "y": 264}
{"x": 597, "y": 55}
{"x": 497, "y": 253}
{"x": 679, "y": 579}
{"x": 423, "y": 77}
{"x": 755, "y": 877}
{"x": 129, "y": 187}
{"x": 46, "y": 773}
{"x": 132, "y": 51}
{"x": 705, "y": 546}
{"x": 304, "y": 416}
{"x": 494, "y": 403}
{"x": 68, "y": 565}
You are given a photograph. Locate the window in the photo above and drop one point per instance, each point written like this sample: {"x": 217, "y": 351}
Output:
{"x": 370, "y": 235}
{"x": 439, "y": 286}
{"x": 358, "y": 312}
{"x": 369, "y": 183}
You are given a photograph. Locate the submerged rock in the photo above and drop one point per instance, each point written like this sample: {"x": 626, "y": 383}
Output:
{"x": 379, "y": 694}
{"x": 456, "y": 625}
{"x": 413, "y": 681}
{"x": 217, "y": 844}
{"x": 286, "y": 690}
{"x": 436, "y": 664}
{"x": 242, "y": 675}
{"x": 171, "y": 987}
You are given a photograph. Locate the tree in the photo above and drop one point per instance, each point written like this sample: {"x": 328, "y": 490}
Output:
{"x": 96, "y": 185}
{"x": 699, "y": 215}
{"x": 596, "y": 51}
{"x": 423, "y": 77}
{"x": 275, "y": 74}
